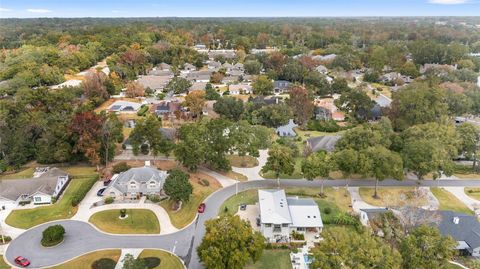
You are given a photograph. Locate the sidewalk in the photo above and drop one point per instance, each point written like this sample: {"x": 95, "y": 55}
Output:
{"x": 135, "y": 252}
{"x": 223, "y": 180}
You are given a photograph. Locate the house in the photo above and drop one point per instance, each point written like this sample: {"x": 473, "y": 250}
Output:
{"x": 199, "y": 76}
{"x": 326, "y": 143}
{"x": 214, "y": 65}
{"x": 287, "y": 129}
{"x": 465, "y": 229}
{"x": 280, "y": 86}
{"x": 39, "y": 190}
{"x": 230, "y": 79}
{"x": 236, "y": 89}
{"x": 281, "y": 216}
{"x": 198, "y": 86}
{"x": 322, "y": 113}
{"x": 155, "y": 82}
{"x": 169, "y": 133}
{"x": 325, "y": 58}
{"x": 226, "y": 54}
{"x": 137, "y": 182}
{"x": 445, "y": 67}
{"x": 164, "y": 67}
{"x": 262, "y": 101}
{"x": 326, "y": 110}
{"x": 165, "y": 108}
{"x": 124, "y": 107}
{"x": 383, "y": 101}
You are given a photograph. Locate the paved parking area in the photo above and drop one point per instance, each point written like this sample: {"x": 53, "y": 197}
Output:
{"x": 251, "y": 213}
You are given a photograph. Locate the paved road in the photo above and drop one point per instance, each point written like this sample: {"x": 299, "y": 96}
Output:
{"x": 81, "y": 237}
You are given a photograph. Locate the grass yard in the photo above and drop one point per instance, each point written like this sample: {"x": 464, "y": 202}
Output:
{"x": 338, "y": 197}
{"x": 187, "y": 213}
{"x": 242, "y": 161}
{"x": 278, "y": 259}
{"x": 3, "y": 264}
{"x": 75, "y": 171}
{"x": 234, "y": 175}
{"x": 392, "y": 197}
{"x": 139, "y": 221}
{"x": 449, "y": 202}
{"x": 63, "y": 209}
{"x": 27, "y": 172}
{"x": 167, "y": 260}
{"x": 473, "y": 193}
{"x": 86, "y": 261}
{"x": 249, "y": 197}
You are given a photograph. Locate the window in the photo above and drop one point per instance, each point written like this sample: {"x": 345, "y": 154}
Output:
{"x": 38, "y": 199}
{"x": 277, "y": 228}
{"x": 133, "y": 185}
{"x": 285, "y": 225}
{"x": 268, "y": 225}
{"x": 300, "y": 229}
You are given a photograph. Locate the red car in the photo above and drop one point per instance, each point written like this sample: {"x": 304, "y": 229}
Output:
{"x": 22, "y": 261}
{"x": 201, "y": 208}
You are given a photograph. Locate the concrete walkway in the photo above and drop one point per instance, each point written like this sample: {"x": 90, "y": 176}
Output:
{"x": 6, "y": 229}
{"x": 253, "y": 173}
{"x": 357, "y": 202}
{"x": 135, "y": 252}
{"x": 459, "y": 192}
{"x": 166, "y": 226}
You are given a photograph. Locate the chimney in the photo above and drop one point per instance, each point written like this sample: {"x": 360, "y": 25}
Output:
{"x": 456, "y": 220}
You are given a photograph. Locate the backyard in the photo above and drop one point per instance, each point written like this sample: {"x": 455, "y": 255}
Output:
{"x": 278, "y": 259}
{"x": 63, "y": 209}
{"x": 167, "y": 260}
{"x": 393, "y": 197}
{"x": 138, "y": 221}
{"x": 449, "y": 202}
{"x": 86, "y": 261}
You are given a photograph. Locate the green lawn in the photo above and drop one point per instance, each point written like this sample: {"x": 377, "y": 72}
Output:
{"x": 63, "y": 209}
{"x": 392, "y": 196}
{"x": 25, "y": 173}
{"x": 139, "y": 221}
{"x": 3, "y": 264}
{"x": 249, "y": 197}
{"x": 449, "y": 202}
{"x": 272, "y": 259}
{"x": 75, "y": 171}
{"x": 167, "y": 260}
{"x": 297, "y": 173}
{"x": 86, "y": 261}
{"x": 242, "y": 161}
{"x": 473, "y": 192}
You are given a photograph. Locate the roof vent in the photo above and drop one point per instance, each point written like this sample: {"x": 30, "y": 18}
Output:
{"x": 456, "y": 220}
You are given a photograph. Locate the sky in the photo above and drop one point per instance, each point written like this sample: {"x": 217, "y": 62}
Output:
{"x": 237, "y": 8}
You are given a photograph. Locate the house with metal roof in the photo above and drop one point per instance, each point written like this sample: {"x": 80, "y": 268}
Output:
{"x": 38, "y": 190}
{"x": 326, "y": 143}
{"x": 280, "y": 216}
{"x": 287, "y": 129}
{"x": 137, "y": 182}
{"x": 124, "y": 107}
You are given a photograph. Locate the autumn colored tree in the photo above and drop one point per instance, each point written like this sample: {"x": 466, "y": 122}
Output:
{"x": 216, "y": 77}
{"x": 301, "y": 104}
{"x": 94, "y": 87}
{"x": 195, "y": 100}
{"x": 134, "y": 89}
{"x": 86, "y": 131}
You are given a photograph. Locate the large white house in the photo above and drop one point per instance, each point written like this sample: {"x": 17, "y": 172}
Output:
{"x": 39, "y": 190}
{"x": 280, "y": 216}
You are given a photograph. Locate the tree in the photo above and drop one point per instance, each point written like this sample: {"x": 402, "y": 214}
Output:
{"x": 147, "y": 134}
{"x": 86, "y": 131}
{"x": 52, "y": 235}
{"x": 339, "y": 86}
{"x": 178, "y": 186}
{"x": 129, "y": 262}
{"x": 317, "y": 83}
{"x": 426, "y": 248}
{"x": 272, "y": 115}
{"x": 280, "y": 161}
{"x": 229, "y": 243}
{"x": 190, "y": 150}
{"x": 94, "y": 87}
{"x": 417, "y": 104}
{"x": 229, "y": 107}
{"x": 382, "y": 163}
{"x": 468, "y": 136}
{"x": 318, "y": 164}
{"x": 344, "y": 248}
{"x": 301, "y": 104}
{"x": 294, "y": 71}
{"x": 178, "y": 85}
{"x": 367, "y": 135}
{"x": 217, "y": 77}
{"x": 134, "y": 89}
{"x": 112, "y": 133}
{"x": 211, "y": 93}
{"x": 195, "y": 100}
{"x": 357, "y": 103}
{"x": 262, "y": 85}
{"x": 253, "y": 67}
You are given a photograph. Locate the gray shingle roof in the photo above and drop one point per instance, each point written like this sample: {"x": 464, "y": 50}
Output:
{"x": 326, "y": 142}
{"x": 141, "y": 175}
{"x": 467, "y": 229}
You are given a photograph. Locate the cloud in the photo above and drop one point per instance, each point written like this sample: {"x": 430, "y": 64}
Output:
{"x": 448, "y": 2}
{"x": 38, "y": 10}
{"x": 4, "y": 9}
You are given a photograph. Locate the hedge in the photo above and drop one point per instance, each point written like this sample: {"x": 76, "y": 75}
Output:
{"x": 83, "y": 190}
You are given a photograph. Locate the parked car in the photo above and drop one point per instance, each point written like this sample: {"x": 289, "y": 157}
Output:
{"x": 201, "y": 208}
{"x": 100, "y": 191}
{"x": 22, "y": 261}
{"x": 258, "y": 222}
{"x": 106, "y": 182}
{"x": 243, "y": 207}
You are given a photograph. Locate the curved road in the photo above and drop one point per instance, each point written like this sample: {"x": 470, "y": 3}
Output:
{"x": 82, "y": 237}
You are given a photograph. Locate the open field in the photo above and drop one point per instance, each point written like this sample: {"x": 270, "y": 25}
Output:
{"x": 63, "y": 209}
{"x": 86, "y": 261}
{"x": 139, "y": 221}
{"x": 392, "y": 196}
{"x": 450, "y": 202}
{"x": 167, "y": 260}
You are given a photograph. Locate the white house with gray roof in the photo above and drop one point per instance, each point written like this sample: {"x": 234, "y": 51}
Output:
{"x": 137, "y": 182}
{"x": 280, "y": 216}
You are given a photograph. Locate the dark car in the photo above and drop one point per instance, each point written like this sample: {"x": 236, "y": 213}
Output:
{"x": 258, "y": 222}
{"x": 243, "y": 207}
{"x": 22, "y": 261}
{"x": 201, "y": 208}
{"x": 100, "y": 191}
{"x": 106, "y": 182}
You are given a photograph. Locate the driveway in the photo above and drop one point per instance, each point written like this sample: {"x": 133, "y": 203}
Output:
{"x": 82, "y": 237}
{"x": 253, "y": 173}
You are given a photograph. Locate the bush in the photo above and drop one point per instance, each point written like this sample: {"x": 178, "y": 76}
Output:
{"x": 329, "y": 126}
{"x": 154, "y": 198}
{"x": 327, "y": 210}
{"x": 120, "y": 167}
{"x": 78, "y": 197}
{"x": 204, "y": 182}
{"x": 142, "y": 111}
{"x": 53, "y": 235}
{"x": 151, "y": 262}
{"x": 6, "y": 238}
{"x": 104, "y": 263}
{"x": 108, "y": 200}
{"x": 123, "y": 212}
{"x": 22, "y": 203}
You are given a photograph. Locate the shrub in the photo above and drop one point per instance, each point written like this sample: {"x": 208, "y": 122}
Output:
{"x": 82, "y": 191}
{"x": 204, "y": 182}
{"x": 120, "y": 167}
{"x": 151, "y": 262}
{"x": 104, "y": 263}
{"x": 6, "y": 238}
{"x": 22, "y": 203}
{"x": 323, "y": 126}
{"x": 142, "y": 111}
{"x": 327, "y": 210}
{"x": 53, "y": 235}
{"x": 154, "y": 198}
{"x": 108, "y": 200}
{"x": 123, "y": 212}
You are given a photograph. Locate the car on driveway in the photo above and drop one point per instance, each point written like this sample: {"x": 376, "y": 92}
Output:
{"x": 106, "y": 182}
{"x": 100, "y": 191}
{"x": 201, "y": 208}
{"x": 243, "y": 207}
{"x": 22, "y": 261}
